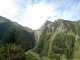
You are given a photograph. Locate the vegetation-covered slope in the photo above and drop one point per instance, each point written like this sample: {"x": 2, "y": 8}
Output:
{"x": 12, "y": 32}
{"x": 59, "y": 41}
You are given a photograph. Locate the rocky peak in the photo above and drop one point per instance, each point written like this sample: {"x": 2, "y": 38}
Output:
{"x": 3, "y": 19}
{"x": 43, "y": 28}
{"x": 48, "y": 22}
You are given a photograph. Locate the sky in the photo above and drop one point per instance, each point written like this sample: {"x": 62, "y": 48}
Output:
{"x": 33, "y": 13}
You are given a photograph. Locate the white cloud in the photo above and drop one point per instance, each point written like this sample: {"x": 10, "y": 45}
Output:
{"x": 8, "y": 9}
{"x": 33, "y": 13}
{"x": 36, "y": 15}
{"x": 66, "y": 11}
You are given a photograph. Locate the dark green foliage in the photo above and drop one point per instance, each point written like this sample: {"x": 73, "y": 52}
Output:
{"x": 78, "y": 30}
{"x": 69, "y": 25}
{"x": 12, "y": 38}
{"x": 66, "y": 23}
{"x": 64, "y": 44}
{"x": 59, "y": 44}
{"x": 58, "y": 41}
{"x": 11, "y": 32}
{"x": 19, "y": 36}
{"x": 68, "y": 53}
{"x": 3, "y": 29}
{"x": 45, "y": 49}
{"x": 70, "y": 41}
{"x": 12, "y": 52}
{"x": 58, "y": 50}
{"x": 72, "y": 26}
{"x": 2, "y": 53}
{"x": 41, "y": 42}
{"x": 56, "y": 57}
{"x": 30, "y": 57}
{"x": 78, "y": 40}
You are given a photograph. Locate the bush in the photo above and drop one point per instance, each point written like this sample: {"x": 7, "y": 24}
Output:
{"x": 12, "y": 52}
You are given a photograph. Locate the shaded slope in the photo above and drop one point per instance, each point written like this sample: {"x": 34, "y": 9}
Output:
{"x": 12, "y": 32}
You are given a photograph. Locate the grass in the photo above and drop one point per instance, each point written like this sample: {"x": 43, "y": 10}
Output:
{"x": 76, "y": 51}
{"x": 51, "y": 41}
{"x": 70, "y": 33}
{"x": 34, "y": 54}
{"x": 45, "y": 58}
{"x": 63, "y": 57}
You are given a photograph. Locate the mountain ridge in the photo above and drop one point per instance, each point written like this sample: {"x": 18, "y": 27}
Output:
{"x": 58, "y": 36}
{"x": 57, "y": 40}
{"x": 12, "y": 32}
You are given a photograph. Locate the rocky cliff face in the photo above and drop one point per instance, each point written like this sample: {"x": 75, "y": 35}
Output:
{"x": 49, "y": 27}
{"x": 46, "y": 27}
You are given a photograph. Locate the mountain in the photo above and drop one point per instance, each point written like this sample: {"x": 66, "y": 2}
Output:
{"x": 12, "y": 32}
{"x": 58, "y": 40}
{"x": 44, "y": 27}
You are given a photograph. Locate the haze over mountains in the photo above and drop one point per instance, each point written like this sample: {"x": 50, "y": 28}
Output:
{"x": 58, "y": 40}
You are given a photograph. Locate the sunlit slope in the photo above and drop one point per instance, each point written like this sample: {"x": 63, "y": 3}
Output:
{"x": 59, "y": 40}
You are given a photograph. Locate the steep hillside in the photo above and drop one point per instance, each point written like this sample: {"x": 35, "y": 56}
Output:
{"x": 58, "y": 40}
{"x": 12, "y": 32}
{"x": 43, "y": 29}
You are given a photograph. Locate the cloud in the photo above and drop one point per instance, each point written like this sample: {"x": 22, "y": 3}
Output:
{"x": 68, "y": 10}
{"x": 33, "y": 13}
{"x": 8, "y": 9}
{"x": 36, "y": 15}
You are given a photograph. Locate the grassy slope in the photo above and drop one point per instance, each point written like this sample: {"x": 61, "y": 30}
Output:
{"x": 34, "y": 54}
{"x": 77, "y": 51}
{"x": 50, "y": 48}
{"x": 45, "y": 58}
{"x": 49, "y": 51}
{"x": 62, "y": 57}
{"x": 50, "y": 44}
{"x": 70, "y": 33}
